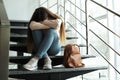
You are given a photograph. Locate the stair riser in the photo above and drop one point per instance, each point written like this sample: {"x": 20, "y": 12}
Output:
{"x": 18, "y": 23}
{"x": 19, "y": 31}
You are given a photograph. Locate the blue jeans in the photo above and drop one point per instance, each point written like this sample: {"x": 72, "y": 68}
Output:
{"x": 47, "y": 43}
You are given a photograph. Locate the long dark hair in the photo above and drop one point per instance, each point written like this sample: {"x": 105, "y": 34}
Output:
{"x": 40, "y": 14}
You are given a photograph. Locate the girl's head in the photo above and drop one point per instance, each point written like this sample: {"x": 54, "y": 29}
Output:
{"x": 39, "y": 14}
{"x": 43, "y": 13}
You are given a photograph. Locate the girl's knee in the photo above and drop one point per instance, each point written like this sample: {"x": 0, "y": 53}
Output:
{"x": 50, "y": 31}
{"x": 36, "y": 32}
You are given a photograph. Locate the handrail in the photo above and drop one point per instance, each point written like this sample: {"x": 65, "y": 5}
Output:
{"x": 61, "y": 6}
{"x": 77, "y": 6}
{"x": 53, "y": 5}
{"x": 98, "y": 17}
{"x": 104, "y": 26}
{"x": 104, "y": 57}
{"x": 77, "y": 31}
{"x": 106, "y": 8}
{"x": 104, "y": 42}
{"x": 75, "y": 17}
{"x": 44, "y": 2}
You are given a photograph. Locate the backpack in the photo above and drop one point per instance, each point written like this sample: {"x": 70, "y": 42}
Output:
{"x": 72, "y": 57}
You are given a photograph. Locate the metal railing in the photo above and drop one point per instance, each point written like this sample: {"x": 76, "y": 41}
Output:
{"x": 81, "y": 22}
{"x": 86, "y": 26}
{"x": 115, "y": 34}
{"x": 76, "y": 30}
{"x": 103, "y": 57}
{"x": 43, "y": 3}
{"x": 75, "y": 18}
{"x": 105, "y": 8}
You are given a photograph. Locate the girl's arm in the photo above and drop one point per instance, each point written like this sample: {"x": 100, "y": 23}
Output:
{"x": 37, "y": 25}
{"x": 53, "y": 23}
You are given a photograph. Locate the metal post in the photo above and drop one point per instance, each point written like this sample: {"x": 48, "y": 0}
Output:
{"x": 86, "y": 17}
{"x": 65, "y": 11}
{"x": 4, "y": 42}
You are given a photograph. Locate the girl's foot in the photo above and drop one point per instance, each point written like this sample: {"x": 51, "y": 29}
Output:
{"x": 47, "y": 64}
{"x": 31, "y": 65}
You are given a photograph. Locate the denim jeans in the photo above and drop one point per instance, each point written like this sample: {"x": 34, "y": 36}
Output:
{"x": 47, "y": 43}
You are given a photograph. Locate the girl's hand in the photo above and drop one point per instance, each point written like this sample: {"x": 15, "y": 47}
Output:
{"x": 53, "y": 23}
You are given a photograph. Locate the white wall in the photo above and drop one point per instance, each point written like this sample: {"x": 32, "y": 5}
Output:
{"x": 20, "y": 9}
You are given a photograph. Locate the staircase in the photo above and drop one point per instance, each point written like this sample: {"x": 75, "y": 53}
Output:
{"x": 18, "y": 35}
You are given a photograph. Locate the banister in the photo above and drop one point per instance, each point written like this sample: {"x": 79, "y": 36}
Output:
{"x": 105, "y": 26}
{"x": 53, "y": 5}
{"x": 77, "y": 6}
{"x": 44, "y": 2}
{"x": 75, "y": 17}
{"x": 61, "y": 6}
{"x": 104, "y": 57}
{"x": 105, "y": 42}
{"x": 106, "y": 8}
{"x": 87, "y": 15}
{"x": 77, "y": 31}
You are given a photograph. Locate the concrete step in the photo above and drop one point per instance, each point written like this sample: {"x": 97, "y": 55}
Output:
{"x": 20, "y": 36}
{"x": 57, "y": 73}
{"x": 19, "y": 22}
{"x": 18, "y": 29}
{"x": 22, "y": 47}
{"x": 56, "y": 60}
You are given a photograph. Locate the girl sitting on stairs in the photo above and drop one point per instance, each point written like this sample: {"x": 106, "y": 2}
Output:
{"x": 45, "y": 32}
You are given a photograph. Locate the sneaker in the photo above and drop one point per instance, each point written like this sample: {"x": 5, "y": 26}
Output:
{"x": 47, "y": 65}
{"x": 31, "y": 65}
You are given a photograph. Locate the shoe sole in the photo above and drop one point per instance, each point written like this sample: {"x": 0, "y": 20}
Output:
{"x": 32, "y": 69}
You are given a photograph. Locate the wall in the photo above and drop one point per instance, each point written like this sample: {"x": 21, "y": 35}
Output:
{"x": 4, "y": 42}
{"x": 20, "y": 9}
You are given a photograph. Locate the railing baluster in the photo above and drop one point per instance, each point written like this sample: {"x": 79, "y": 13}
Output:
{"x": 103, "y": 57}
{"x": 106, "y": 8}
{"x": 116, "y": 14}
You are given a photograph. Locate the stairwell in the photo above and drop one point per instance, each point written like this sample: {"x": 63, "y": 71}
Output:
{"x": 18, "y": 35}
{"x": 18, "y": 30}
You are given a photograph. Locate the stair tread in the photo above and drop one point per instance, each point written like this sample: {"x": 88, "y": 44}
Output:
{"x": 18, "y": 27}
{"x": 18, "y": 35}
{"x": 28, "y": 57}
{"x": 56, "y": 60}
{"x": 21, "y": 47}
{"x": 25, "y": 27}
{"x": 24, "y": 45}
{"x": 55, "y": 70}
{"x": 25, "y": 36}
